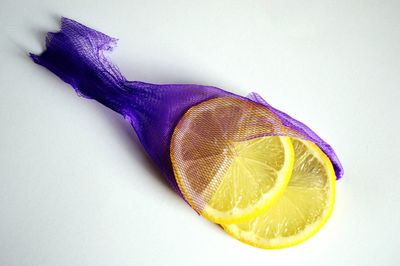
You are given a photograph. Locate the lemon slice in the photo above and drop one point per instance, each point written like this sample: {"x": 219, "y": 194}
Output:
{"x": 303, "y": 208}
{"x": 225, "y": 164}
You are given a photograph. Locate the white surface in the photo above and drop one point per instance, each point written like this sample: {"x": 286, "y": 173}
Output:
{"x": 76, "y": 187}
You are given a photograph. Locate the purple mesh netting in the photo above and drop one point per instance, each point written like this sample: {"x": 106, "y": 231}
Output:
{"x": 75, "y": 54}
{"x": 305, "y": 132}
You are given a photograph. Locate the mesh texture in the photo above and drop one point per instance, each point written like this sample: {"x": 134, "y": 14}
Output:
{"x": 202, "y": 146}
{"x": 76, "y": 55}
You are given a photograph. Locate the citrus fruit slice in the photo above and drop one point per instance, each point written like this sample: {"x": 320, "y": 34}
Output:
{"x": 303, "y": 208}
{"x": 225, "y": 162}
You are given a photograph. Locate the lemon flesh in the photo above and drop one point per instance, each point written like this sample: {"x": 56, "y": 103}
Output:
{"x": 303, "y": 208}
{"x": 226, "y": 166}
{"x": 258, "y": 172}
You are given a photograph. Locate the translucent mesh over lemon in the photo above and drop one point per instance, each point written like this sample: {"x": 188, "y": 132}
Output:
{"x": 228, "y": 161}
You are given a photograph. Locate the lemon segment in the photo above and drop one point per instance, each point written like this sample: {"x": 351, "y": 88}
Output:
{"x": 303, "y": 208}
{"x": 229, "y": 159}
{"x": 258, "y": 173}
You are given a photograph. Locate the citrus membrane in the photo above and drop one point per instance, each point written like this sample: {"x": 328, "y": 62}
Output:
{"x": 228, "y": 161}
{"x": 303, "y": 208}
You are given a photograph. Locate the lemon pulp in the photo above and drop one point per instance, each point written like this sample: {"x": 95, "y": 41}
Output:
{"x": 225, "y": 164}
{"x": 303, "y": 208}
{"x": 258, "y": 173}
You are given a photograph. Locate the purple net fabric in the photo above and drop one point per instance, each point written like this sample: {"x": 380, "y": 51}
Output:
{"x": 304, "y": 131}
{"x": 76, "y": 55}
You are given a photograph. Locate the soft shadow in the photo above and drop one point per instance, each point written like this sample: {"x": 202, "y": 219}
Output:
{"x": 128, "y": 136}
{"x": 35, "y": 32}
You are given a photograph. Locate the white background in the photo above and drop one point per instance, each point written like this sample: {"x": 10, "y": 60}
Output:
{"x": 76, "y": 187}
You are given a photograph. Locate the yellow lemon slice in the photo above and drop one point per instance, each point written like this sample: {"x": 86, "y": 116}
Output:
{"x": 303, "y": 208}
{"x": 225, "y": 164}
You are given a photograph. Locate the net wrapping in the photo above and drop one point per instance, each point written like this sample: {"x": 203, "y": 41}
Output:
{"x": 76, "y": 55}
